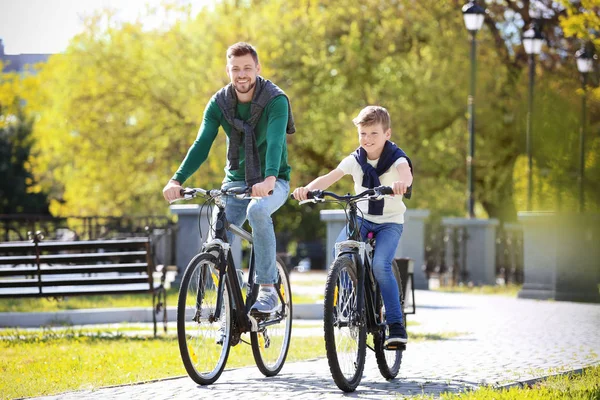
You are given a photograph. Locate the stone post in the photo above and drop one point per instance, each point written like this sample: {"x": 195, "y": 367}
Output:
{"x": 561, "y": 256}
{"x": 335, "y": 220}
{"x": 412, "y": 243}
{"x": 189, "y": 241}
{"x": 480, "y": 248}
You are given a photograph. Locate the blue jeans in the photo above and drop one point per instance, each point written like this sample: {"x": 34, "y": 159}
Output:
{"x": 387, "y": 237}
{"x": 258, "y": 212}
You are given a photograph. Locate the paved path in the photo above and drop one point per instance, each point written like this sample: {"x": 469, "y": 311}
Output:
{"x": 503, "y": 341}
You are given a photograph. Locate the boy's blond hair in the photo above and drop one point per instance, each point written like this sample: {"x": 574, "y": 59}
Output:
{"x": 372, "y": 115}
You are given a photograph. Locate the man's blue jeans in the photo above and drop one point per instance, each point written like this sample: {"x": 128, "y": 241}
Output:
{"x": 258, "y": 212}
{"x": 387, "y": 237}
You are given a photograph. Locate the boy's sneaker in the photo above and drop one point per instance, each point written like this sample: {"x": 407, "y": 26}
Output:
{"x": 397, "y": 336}
{"x": 267, "y": 301}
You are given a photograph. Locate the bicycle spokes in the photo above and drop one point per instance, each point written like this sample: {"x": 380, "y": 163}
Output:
{"x": 344, "y": 327}
{"x": 203, "y": 334}
{"x": 270, "y": 344}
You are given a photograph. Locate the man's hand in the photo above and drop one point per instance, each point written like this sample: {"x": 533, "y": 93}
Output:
{"x": 264, "y": 188}
{"x": 172, "y": 191}
{"x": 301, "y": 193}
{"x": 400, "y": 187}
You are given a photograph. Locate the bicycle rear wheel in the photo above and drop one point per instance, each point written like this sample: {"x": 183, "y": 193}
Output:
{"x": 271, "y": 343}
{"x": 198, "y": 332}
{"x": 388, "y": 361}
{"x": 344, "y": 325}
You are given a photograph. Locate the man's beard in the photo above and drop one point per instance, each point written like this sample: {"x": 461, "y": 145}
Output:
{"x": 250, "y": 87}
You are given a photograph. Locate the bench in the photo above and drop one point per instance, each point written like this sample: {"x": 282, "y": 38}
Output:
{"x": 58, "y": 269}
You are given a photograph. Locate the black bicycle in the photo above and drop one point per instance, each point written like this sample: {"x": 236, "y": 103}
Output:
{"x": 213, "y": 311}
{"x": 353, "y": 302}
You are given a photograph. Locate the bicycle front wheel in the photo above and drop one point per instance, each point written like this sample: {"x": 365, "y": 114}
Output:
{"x": 388, "y": 361}
{"x": 204, "y": 341}
{"x": 271, "y": 343}
{"x": 344, "y": 325}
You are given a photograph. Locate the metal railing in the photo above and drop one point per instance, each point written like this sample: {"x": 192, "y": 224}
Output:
{"x": 446, "y": 254}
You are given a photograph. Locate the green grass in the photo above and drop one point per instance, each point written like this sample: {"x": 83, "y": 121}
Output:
{"x": 108, "y": 301}
{"x": 50, "y": 361}
{"x": 502, "y": 290}
{"x": 585, "y": 386}
{"x": 83, "y": 302}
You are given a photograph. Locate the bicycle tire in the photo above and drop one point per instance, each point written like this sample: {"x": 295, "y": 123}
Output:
{"x": 388, "y": 361}
{"x": 270, "y": 345}
{"x": 204, "y": 359}
{"x": 344, "y": 326}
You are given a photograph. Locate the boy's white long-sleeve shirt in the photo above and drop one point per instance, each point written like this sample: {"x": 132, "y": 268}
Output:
{"x": 394, "y": 208}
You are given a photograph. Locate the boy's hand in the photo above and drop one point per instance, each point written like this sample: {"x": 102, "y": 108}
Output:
{"x": 400, "y": 187}
{"x": 301, "y": 193}
{"x": 264, "y": 188}
{"x": 172, "y": 191}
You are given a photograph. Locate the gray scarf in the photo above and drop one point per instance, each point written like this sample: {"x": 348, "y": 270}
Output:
{"x": 226, "y": 99}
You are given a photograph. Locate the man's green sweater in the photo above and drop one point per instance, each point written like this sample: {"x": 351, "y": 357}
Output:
{"x": 270, "y": 141}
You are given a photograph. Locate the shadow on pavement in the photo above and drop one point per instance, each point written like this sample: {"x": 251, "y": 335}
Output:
{"x": 323, "y": 386}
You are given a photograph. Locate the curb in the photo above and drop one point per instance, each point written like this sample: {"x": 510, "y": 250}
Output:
{"x": 116, "y": 315}
{"x": 529, "y": 383}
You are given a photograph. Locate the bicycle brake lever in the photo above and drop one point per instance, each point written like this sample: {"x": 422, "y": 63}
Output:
{"x": 313, "y": 200}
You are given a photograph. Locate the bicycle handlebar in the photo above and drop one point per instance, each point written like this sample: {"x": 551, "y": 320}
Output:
{"x": 317, "y": 196}
{"x": 239, "y": 192}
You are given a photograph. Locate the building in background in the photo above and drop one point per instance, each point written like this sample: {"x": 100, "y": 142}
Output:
{"x": 20, "y": 62}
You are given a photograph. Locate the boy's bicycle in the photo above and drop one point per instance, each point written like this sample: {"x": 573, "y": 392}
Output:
{"x": 212, "y": 313}
{"x": 353, "y": 302}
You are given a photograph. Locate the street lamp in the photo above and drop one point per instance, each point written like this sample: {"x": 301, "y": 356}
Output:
{"x": 585, "y": 64}
{"x": 532, "y": 42}
{"x": 473, "y": 15}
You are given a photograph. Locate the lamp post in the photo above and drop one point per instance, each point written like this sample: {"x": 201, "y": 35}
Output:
{"x": 585, "y": 63}
{"x": 532, "y": 42}
{"x": 473, "y": 15}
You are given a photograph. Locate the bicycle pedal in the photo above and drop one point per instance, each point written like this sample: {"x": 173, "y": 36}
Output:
{"x": 260, "y": 316}
{"x": 395, "y": 346}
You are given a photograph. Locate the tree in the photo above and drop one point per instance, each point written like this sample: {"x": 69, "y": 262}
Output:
{"x": 120, "y": 108}
{"x": 19, "y": 192}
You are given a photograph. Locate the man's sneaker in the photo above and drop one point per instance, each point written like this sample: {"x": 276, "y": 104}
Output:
{"x": 267, "y": 301}
{"x": 397, "y": 336}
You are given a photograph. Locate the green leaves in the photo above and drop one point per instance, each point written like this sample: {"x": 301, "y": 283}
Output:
{"x": 118, "y": 111}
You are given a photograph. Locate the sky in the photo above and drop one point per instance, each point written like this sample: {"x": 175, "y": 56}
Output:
{"x": 45, "y": 26}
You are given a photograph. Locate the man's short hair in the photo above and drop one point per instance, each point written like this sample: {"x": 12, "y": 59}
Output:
{"x": 241, "y": 49}
{"x": 372, "y": 115}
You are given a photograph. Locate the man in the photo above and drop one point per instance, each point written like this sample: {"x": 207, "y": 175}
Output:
{"x": 255, "y": 115}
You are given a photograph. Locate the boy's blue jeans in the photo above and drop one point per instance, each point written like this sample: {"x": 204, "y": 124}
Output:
{"x": 387, "y": 236}
{"x": 258, "y": 212}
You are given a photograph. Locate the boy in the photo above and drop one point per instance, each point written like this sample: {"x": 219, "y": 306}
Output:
{"x": 377, "y": 161}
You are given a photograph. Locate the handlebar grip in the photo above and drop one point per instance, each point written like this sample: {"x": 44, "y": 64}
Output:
{"x": 310, "y": 195}
{"x": 385, "y": 190}
{"x": 187, "y": 191}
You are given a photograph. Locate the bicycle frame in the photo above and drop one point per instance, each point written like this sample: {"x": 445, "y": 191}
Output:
{"x": 219, "y": 243}
{"x": 356, "y": 248}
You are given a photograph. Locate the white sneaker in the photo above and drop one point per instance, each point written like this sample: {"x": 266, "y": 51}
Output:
{"x": 267, "y": 301}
